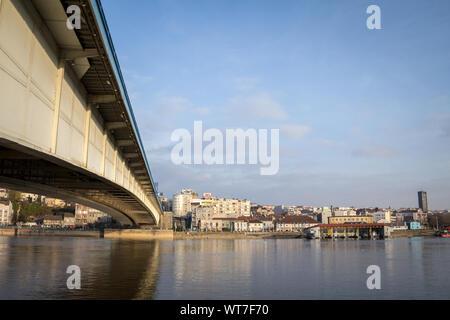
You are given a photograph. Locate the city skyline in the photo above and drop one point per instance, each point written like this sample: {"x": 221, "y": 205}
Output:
{"x": 201, "y": 195}
{"x": 363, "y": 114}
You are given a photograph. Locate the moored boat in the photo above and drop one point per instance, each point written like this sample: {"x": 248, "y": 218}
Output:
{"x": 444, "y": 234}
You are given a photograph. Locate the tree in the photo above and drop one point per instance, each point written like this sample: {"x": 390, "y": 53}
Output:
{"x": 34, "y": 209}
{"x": 15, "y": 197}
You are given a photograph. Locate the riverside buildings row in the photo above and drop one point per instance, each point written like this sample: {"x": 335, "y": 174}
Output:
{"x": 189, "y": 211}
{"x": 187, "y": 201}
{"x": 209, "y": 213}
{"x": 66, "y": 215}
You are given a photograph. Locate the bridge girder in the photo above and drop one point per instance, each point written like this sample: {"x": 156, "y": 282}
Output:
{"x": 75, "y": 135}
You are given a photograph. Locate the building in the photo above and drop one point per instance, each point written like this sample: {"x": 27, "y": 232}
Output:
{"x": 6, "y": 212}
{"x": 241, "y": 225}
{"x": 350, "y": 219}
{"x": 181, "y": 223}
{"x": 325, "y": 214}
{"x": 209, "y": 225}
{"x": 294, "y": 223}
{"x": 344, "y": 212}
{"x": 262, "y": 210}
{"x": 201, "y": 216}
{"x": 255, "y": 225}
{"x": 3, "y": 194}
{"x": 30, "y": 197}
{"x": 212, "y": 207}
{"x": 413, "y": 225}
{"x": 181, "y": 204}
{"x": 30, "y": 224}
{"x": 85, "y": 216}
{"x": 54, "y": 203}
{"x": 69, "y": 220}
{"x": 268, "y": 225}
{"x": 382, "y": 217}
{"x": 423, "y": 201}
{"x": 53, "y": 221}
{"x": 166, "y": 203}
{"x": 231, "y": 208}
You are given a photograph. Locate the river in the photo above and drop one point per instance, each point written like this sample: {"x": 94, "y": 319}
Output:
{"x": 35, "y": 267}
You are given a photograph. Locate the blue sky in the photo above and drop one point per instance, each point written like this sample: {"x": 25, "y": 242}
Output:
{"x": 364, "y": 115}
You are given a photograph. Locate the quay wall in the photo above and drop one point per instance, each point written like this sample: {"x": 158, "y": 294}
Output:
{"x": 411, "y": 233}
{"x": 48, "y": 232}
{"x": 130, "y": 234}
{"x": 143, "y": 234}
{"x": 139, "y": 234}
{"x": 235, "y": 235}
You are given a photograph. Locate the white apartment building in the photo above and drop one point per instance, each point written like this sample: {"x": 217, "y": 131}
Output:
{"x": 325, "y": 213}
{"x": 382, "y": 217}
{"x": 3, "y": 194}
{"x": 69, "y": 220}
{"x": 52, "y": 202}
{"x": 181, "y": 204}
{"x": 232, "y": 208}
{"x": 85, "y": 216}
{"x": 31, "y": 197}
{"x": 6, "y": 212}
{"x": 345, "y": 212}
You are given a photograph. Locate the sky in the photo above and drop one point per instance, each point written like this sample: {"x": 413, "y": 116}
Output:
{"x": 364, "y": 115}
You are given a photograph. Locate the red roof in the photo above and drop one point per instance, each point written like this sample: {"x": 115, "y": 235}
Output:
{"x": 350, "y": 225}
{"x": 297, "y": 219}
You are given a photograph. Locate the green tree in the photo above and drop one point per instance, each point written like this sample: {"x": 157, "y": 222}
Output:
{"x": 16, "y": 198}
{"x": 33, "y": 209}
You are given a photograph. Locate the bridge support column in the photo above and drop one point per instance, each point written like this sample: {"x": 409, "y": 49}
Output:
{"x": 105, "y": 138}
{"x": 115, "y": 164}
{"x": 86, "y": 135}
{"x": 57, "y": 104}
{"x": 123, "y": 173}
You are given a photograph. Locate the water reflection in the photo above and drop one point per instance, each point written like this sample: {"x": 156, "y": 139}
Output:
{"x": 297, "y": 269}
{"x": 35, "y": 268}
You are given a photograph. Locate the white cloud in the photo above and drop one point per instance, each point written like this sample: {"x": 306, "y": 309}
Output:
{"x": 137, "y": 78}
{"x": 375, "y": 151}
{"x": 202, "y": 111}
{"x": 261, "y": 106}
{"x": 294, "y": 132}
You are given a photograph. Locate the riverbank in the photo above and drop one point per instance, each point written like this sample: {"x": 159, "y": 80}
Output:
{"x": 129, "y": 234}
{"x": 138, "y": 234}
{"x": 235, "y": 235}
{"x": 142, "y": 234}
{"x": 412, "y": 233}
{"x": 48, "y": 232}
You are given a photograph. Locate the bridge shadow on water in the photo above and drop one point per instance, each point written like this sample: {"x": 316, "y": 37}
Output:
{"x": 35, "y": 268}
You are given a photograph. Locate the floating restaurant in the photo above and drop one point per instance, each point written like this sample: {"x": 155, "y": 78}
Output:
{"x": 347, "y": 231}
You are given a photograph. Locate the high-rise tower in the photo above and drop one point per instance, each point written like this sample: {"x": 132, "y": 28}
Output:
{"x": 423, "y": 202}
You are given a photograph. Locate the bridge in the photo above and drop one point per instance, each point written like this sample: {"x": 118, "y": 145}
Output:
{"x": 67, "y": 129}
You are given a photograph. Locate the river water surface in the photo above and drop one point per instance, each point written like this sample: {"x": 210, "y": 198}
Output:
{"x": 35, "y": 268}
